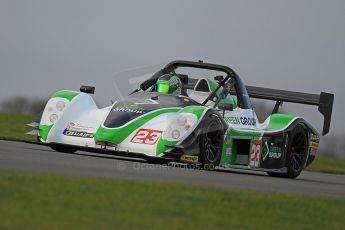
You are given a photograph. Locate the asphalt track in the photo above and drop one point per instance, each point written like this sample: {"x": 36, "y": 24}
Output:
{"x": 35, "y": 158}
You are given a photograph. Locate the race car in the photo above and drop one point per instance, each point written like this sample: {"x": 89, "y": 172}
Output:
{"x": 207, "y": 121}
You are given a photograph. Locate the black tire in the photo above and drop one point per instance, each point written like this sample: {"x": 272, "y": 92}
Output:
{"x": 63, "y": 149}
{"x": 296, "y": 154}
{"x": 211, "y": 141}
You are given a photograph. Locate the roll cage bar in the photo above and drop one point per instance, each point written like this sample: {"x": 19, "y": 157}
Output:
{"x": 324, "y": 100}
{"x": 243, "y": 98}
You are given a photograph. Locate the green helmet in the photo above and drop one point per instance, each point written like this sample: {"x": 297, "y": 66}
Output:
{"x": 169, "y": 83}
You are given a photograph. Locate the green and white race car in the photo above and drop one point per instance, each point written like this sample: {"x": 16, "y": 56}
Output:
{"x": 205, "y": 121}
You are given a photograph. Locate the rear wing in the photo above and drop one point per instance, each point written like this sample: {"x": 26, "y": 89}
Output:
{"x": 324, "y": 101}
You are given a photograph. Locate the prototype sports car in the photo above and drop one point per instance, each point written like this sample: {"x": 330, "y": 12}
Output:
{"x": 201, "y": 120}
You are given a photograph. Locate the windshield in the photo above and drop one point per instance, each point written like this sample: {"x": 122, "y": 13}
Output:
{"x": 145, "y": 79}
{"x": 129, "y": 80}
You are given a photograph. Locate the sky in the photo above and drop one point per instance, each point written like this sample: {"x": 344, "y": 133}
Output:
{"x": 296, "y": 45}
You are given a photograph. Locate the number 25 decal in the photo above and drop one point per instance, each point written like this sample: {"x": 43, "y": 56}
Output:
{"x": 147, "y": 136}
{"x": 255, "y": 153}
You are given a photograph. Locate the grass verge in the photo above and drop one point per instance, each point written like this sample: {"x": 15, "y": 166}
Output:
{"x": 45, "y": 201}
{"x": 327, "y": 165}
{"x": 13, "y": 127}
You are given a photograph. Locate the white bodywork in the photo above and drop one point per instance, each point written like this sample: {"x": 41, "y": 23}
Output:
{"x": 81, "y": 114}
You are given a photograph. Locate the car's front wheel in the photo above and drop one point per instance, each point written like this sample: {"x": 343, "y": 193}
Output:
{"x": 211, "y": 142}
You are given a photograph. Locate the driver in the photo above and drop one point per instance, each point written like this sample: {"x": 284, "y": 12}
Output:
{"x": 170, "y": 84}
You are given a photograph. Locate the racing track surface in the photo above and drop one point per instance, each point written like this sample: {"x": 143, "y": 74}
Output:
{"x": 35, "y": 158}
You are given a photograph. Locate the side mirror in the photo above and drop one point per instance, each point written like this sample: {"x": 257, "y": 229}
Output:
{"x": 219, "y": 78}
{"x": 228, "y": 107}
{"x": 87, "y": 89}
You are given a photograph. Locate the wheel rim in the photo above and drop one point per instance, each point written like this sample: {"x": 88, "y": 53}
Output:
{"x": 298, "y": 151}
{"x": 212, "y": 142}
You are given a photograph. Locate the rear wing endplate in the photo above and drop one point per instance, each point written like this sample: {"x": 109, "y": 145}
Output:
{"x": 324, "y": 101}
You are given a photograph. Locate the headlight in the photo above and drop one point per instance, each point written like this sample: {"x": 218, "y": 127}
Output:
{"x": 53, "y": 118}
{"x": 175, "y": 134}
{"x": 181, "y": 120}
{"x": 180, "y": 126}
{"x": 54, "y": 110}
{"x": 60, "y": 105}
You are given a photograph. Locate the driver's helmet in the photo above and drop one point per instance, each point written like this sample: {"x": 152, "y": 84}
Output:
{"x": 170, "y": 84}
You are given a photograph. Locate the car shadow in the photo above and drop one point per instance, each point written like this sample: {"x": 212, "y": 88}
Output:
{"x": 178, "y": 165}
{"x": 112, "y": 157}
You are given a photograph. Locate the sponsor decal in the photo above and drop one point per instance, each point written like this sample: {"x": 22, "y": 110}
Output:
{"x": 190, "y": 158}
{"x": 314, "y": 144}
{"x": 241, "y": 120}
{"x": 265, "y": 151}
{"x": 232, "y": 120}
{"x": 248, "y": 121}
{"x": 138, "y": 101}
{"x": 315, "y": 138}
{"x": 272, "y": 151}
{"x": 79, "y": 127}
{"x": 255, "y": 153}
{"x": 275, "y": 152}
{"x": 129, "y": 108}
{"x": 314, "y": 141}
{"x": 73, "y": 133}
{"x": 77, "y": 130}
{"x": 146, "y": 136}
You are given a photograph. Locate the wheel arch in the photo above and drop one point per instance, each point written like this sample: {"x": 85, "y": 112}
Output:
{"x": 309, "y": 131}
{"x": 190, "y": 141}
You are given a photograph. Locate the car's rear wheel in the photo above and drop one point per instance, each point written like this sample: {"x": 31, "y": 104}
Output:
{"x": 211, "y": 142}
{"x": 296, "y": 154}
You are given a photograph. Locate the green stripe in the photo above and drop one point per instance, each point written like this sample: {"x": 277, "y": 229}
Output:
{"x": 164, "y": 145}
{"x": 119, "y": 134}
{"x": 69, "y": 95}
{"x": 44, "y": 131}
{"x": 196, "y": 110}
{"x": 279, "y": 121}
